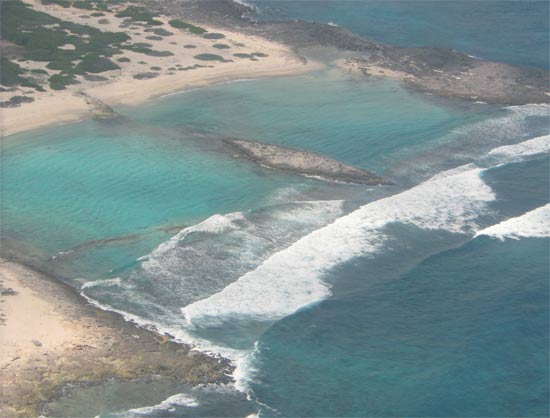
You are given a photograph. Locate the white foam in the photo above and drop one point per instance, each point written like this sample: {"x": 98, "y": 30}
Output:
{"x": 527, "y": 148}
{"x": 106, "y": 282}
{"x": 531, "y": 109}
{"x": 61, "y": 254}
{"x": 216, "y": 224}
{"x": 513, "y": 124}
{"x": 292, "y": 278}
{"x": 169, "y": 404}
{"x": 533, "y": 224}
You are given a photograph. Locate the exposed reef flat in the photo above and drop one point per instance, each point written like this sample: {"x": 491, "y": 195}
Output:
{"x": 449, "y": 73}
{"x": 303, "y": 162}
{"x": 52, "y": 337}
{"x": 440, "y": 71}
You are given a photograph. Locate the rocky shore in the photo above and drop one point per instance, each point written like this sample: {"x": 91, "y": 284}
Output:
{"x": 444, "y": 72}
{"x": 52, "y": 337}
{"x": 302, "y": 162}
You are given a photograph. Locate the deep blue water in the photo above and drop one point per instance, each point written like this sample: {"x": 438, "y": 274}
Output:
{"x": 513, "y": 31}
{"x": 350, "y": 301}
{"x": 464, "y": 333}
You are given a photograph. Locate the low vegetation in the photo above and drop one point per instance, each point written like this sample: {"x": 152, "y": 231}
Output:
{"x": 221, "y": 46}
{"x": 11, "y": 74}
{"x": 14, "y": 101}
{"x": 213, "y": 35}
{"x": 209, "y": 57}
{"x": 147, "y": 51}
{"x": 80, "y": 4}
{"x": 42, "y": 36}
{"x": 145, "y": 76}
{"x": 162, "y": 32}
{"x": 180, "y": 24}
{"x": 95, "y": 78}
{"x": 140, "y": 14}
{"x": 61, "y": 81}
{"x": 94, "y": 64}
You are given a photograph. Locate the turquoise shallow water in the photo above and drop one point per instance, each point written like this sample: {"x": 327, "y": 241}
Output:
{"x": 136, "y": 177}
{"x": 392, "y": 310}
{"x": 299, "y": 112}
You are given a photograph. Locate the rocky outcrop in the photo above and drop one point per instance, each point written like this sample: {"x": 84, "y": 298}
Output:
{"x": 440, "y": 71}
{"x": 302, "y": 162}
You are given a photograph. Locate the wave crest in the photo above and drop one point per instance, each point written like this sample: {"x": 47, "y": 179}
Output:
{"x": 292, "y": 278}
{"x": 533, "y": 224}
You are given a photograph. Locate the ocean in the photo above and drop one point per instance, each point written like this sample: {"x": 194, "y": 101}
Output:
{"x": 427, "y": 298}
{"x": 512, "y": 31}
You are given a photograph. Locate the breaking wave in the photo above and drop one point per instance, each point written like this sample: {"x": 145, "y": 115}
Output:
{"x": 533, "y": 224}
{"x": 168, "y": 404}
{"x": 292, "y": 278}
{"x": 530, "y": 147}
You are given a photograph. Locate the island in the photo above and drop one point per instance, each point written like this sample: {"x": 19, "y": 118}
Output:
{"x": 302, "y": 162}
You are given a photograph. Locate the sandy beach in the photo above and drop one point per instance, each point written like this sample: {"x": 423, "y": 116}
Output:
{"x": 51, "y": 336}
{"x": 156, "y": 75}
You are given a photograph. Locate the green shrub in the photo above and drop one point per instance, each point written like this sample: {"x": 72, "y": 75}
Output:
{"x": 123, "y": 59}
{"x": 139, "y": 14}
{"x": 180, "y": 24}
{"x": 221, "y": 46}
{"x": 95, "y": 78}
{"x": 147, "y": 51}
{"x": 10, "y": 75}
{"x": 209, "y": 57}
{"x": 213, "y": 35}
{"x": 80, "y": 4}
{"x": 162, "y": 32}
{"x": 61, "y": 81}
{"x": 10, "y": 72}
{"x": 62, "y": 3}
{"x": 239, "y": 55}
{"x": 94, "y": 64}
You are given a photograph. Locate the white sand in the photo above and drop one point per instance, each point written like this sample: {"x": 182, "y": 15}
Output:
{"x": 52, "y": 107}
{"x": 29, "y": 316}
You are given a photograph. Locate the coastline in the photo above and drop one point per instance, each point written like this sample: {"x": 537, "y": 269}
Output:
{"x": 52, "y": 337}
{"x": 68, "y": 107}
{"x": 179, "y": 71}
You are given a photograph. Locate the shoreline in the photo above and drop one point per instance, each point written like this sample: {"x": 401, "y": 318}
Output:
{"x": 52, "y": 337}
{"x": 439, "y": 71}
{"x": 69, "y": 109}
{"x": 135, "y": 82}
